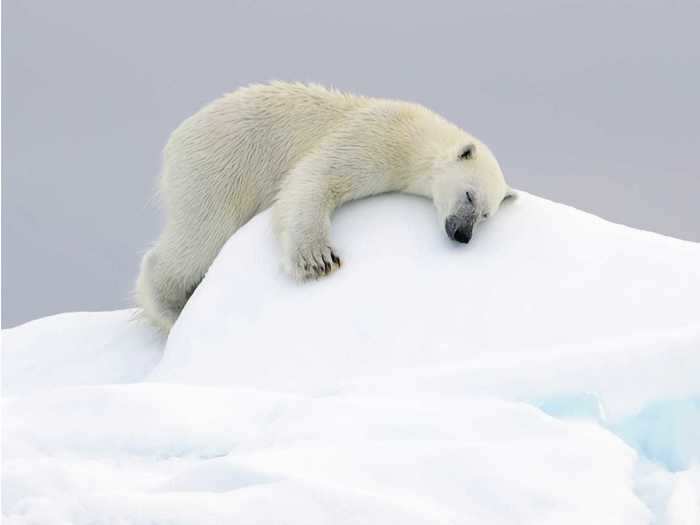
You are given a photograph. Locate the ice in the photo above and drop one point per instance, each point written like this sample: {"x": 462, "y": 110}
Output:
{"x": 667, "y": 432}
{"x": 342, "y": 459}
{"x": 545, "y": 373}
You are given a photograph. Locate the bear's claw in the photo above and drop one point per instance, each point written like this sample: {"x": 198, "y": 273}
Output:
{"x": 313, "y": 263}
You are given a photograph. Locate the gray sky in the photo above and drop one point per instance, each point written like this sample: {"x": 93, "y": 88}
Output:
{"x": 591, "y": 103}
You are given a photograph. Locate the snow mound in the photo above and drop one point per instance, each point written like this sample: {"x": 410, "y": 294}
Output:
{"x": 545, "y": 373}
{"x": 538, "y": 277}
{"x": 78, "y": 349}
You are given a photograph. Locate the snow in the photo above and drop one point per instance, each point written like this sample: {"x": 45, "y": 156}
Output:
{"x": 538, "y": 277}
{"x": 78, "y": 349}
{"x": 545, "y": 373}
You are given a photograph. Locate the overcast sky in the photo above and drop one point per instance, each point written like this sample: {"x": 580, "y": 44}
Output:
{"x": 591, "y": 103}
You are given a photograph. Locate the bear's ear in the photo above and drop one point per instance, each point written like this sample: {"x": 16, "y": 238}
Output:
{"x": 467, "y": 152}
{"x": 510, "y": 194}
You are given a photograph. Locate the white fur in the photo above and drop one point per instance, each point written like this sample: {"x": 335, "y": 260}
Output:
{"x": 306, "y": 150}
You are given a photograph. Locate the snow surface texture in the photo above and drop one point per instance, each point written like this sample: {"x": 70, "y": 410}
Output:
{"x": 546, "y": 373}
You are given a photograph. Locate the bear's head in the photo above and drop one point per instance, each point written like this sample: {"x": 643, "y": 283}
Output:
{"x": 467, "y": 187}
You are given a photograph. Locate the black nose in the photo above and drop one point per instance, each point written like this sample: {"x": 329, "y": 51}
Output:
{"x": 459, "y": 229}
{"x": 463, "y": 235}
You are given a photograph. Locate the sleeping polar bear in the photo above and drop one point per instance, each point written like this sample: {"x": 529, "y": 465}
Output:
{"x": 304, "y": 150}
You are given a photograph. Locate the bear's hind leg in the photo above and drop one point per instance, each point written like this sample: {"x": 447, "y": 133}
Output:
{"x": 161, "y": 294}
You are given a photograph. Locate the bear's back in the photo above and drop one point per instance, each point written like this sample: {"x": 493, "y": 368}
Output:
{"x": 279, "y": 122}
{"x": 250, "y": 138}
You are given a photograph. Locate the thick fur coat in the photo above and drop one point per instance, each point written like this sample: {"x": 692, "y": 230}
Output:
{"x": 304, "y": 150}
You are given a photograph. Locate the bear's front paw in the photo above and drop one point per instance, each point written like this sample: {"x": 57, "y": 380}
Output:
{"x": 312, "y": 262}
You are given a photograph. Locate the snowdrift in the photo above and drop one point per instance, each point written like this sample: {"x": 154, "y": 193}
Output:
{"x": 545, "y": 373}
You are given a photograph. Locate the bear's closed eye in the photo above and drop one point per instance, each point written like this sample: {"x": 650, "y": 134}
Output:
{"x": 467, "y": 153}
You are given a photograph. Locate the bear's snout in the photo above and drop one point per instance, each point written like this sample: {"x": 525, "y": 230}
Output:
{"x": 459, "y": 228}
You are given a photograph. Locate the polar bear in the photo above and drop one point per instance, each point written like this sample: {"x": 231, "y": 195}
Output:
{"x": 304, "y": 150}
